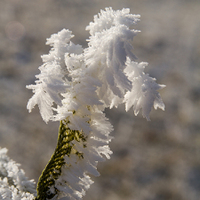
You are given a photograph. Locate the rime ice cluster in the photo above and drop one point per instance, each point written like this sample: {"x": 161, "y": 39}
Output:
{"x": 76, "y": 85}
{"x": 14, "y": 185}
{"x": 104, "y": 74}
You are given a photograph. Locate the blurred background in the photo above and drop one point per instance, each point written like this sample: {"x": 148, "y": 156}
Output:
{"x": 156, "y": 160}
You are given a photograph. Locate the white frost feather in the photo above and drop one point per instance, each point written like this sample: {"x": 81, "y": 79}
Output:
{"x": 144, "y": 94}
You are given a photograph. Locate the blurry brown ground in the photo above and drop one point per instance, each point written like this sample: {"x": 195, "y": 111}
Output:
{"x": 156, "y": 160}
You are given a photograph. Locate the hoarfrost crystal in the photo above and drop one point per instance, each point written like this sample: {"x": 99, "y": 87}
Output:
{"x": 75, "y": 86}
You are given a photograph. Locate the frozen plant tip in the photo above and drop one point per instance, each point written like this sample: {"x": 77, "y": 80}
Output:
{"x": 75, "y": 85}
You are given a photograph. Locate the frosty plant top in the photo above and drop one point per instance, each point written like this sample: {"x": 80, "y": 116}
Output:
{"x": 75, "y": 85}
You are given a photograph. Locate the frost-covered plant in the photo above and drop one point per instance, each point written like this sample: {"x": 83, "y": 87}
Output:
{"x": 75, "y": 85}
{"x": 14, "y": 185}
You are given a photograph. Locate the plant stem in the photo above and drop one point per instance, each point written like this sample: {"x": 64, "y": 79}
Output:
{"x": 53, "y": 169}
